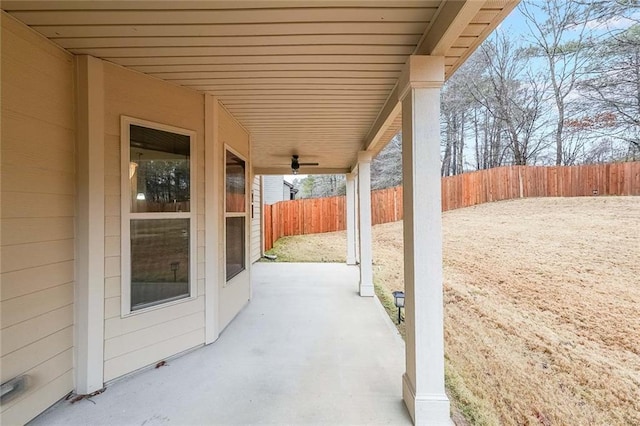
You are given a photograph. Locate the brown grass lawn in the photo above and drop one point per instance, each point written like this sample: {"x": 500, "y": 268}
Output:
{"x": 542, "y": 306}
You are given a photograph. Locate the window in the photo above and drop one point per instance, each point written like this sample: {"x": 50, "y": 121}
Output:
{"x": 235, "y": 214}
{"x": 235, "y": 246}
{"x": 160, "y": 170}
{"x": 159, "y": 261}
{"x": 158, "y": 216}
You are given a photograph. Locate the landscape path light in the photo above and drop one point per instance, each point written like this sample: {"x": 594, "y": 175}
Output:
{"x": 398, "y": 299}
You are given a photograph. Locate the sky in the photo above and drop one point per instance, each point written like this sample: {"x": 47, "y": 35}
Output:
{"x": 515, "y": 23}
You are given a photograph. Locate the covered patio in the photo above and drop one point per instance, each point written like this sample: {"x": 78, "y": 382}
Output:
{"x": 307, "y": 350}
{"x": 131, "y": 134}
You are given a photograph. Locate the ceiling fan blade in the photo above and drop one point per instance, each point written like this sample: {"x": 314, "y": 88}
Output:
{"x": 309, "y": 164}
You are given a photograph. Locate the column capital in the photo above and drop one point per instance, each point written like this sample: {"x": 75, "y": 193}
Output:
{"x": 364, "y": 157}
{"x": 421, "y": 71}
{"x": 350, "y": 176}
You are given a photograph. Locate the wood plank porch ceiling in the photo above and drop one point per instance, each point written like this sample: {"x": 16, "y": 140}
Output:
{"x": 307, "y": 77}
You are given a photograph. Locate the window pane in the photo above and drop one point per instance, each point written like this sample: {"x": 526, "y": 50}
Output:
{"x": 159, "y": 170}
{"x": 235, "y": 184}
{"x": 235, "y": 246}
{"x": 159, "y": 261}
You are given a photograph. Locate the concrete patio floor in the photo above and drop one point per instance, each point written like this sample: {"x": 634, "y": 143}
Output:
{"x": 306, "y": 350}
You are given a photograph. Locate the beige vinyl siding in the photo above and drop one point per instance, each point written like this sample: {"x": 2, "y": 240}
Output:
{"x": 256, "y": 229}
{"x": 234, "y": 294}
{"x": 144, "y": 338}
{"x": 37, "y": 216}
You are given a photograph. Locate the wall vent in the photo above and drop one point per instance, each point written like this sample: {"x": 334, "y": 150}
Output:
{"x": 12, "y": 388}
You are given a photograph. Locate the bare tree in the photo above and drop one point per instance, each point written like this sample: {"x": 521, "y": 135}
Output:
{"x": 559, "y": 35}
{"x": 608, "y": 12}
{"x": 513, "y": 97}
{"x": 571, "y": 94}
{"x": 613, "y": 87}
{"x": 318, "y": 186}
{"x": 457, "y": 105}
{"x": 467, "y": 124}
{"x": 386, "y": 167}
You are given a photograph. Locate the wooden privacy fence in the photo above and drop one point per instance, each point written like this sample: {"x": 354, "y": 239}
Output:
{"x": 505, "y": 183}
{"x": 316, "y": 215}
{"x": 305, "y": 216}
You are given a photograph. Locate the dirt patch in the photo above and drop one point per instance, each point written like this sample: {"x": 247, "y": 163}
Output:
{"x": 328, "y": 247}
{"x": 542, "y": 299}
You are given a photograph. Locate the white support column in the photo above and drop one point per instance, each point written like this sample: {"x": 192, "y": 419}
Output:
{"x": 364, "y": 224}
{"x": 212, "y": 163}
{"x": 89, "y": 294}
{"x": 262, "y": 250}
{"x": 423, "y": 382}
{"x": 357, "y": 220}
{"x": 351, "y": 219}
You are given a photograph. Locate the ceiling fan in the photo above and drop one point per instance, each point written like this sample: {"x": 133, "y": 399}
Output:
{"x": 295, "y": 164}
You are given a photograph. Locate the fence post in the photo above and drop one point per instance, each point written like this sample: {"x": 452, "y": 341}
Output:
{"x": 520, "y": 184}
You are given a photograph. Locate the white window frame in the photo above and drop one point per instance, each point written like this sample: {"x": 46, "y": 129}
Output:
{"x": 126, "y": 215}
{"x": 247, "y": 221}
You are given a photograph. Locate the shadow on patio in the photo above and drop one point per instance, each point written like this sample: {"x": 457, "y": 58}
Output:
{"x": 306, "y": 350}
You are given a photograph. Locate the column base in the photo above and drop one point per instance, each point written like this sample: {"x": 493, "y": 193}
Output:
{"x": 351, "y": 261}
{"x": 426, "y": 409}
{"x": 366, "y": 290}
